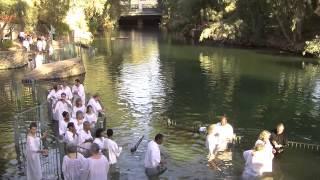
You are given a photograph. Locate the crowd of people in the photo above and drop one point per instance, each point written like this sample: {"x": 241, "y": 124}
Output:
{"x": 41, "y": 46}
{"x": 259, "y": 160}
{"x": 87, "y": 157}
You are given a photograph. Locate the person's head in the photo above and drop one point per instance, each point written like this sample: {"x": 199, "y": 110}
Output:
{"x": 79, "y": 115}
{"x": 223, "y": 120}
{"x": 33, "y": 128}
{"x": 71, "y": 127}
{"x": 96, "y": 96}
{"x": 63, "y": 96}
{"x": 280, "y": 128}
{"x": 158, "y": 138}
{"x": 211, "y": 129}
{"x": 86, "y": 126}
{"x": 264, "y": 135}
{"x": 78, "y": 102}
{"x": 109, "y": 132}
{"x": 65, "y": 115}
{"x": 89, "y": 109}
{"x": 77, "y": 82}
{"x": 94, "y": 149}
{"x": 71, "y": 148}
{"x": 99, "y": 132}
{"x": 55, "y": 87}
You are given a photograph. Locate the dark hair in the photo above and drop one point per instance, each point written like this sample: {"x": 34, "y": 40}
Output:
{"x": 55, "y": 87}
{"x": 78, "y": 100}
{"x": 64, "y": 114}
{"x": 158, "y": 137}
{"x": 89, "y": 106}
{"x": 33, "y": 124}
{"x": 63, "y": 94}
{"x": 71, "y": 148}
{"x": 70, "y": 124}
{"x": 109, "y": 132}
{"x": 77, "y": 80}
{"x": 79, "y": 113}
{"x": 99, "y": 132}
{"x": 94, "y": 148}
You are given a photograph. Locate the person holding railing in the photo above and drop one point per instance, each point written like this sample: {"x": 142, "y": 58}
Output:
{"x": 74, "y": 165}
{"x": 33, "y": 152}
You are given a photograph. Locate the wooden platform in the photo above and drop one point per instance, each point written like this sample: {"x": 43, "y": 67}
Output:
{"x": 56, "y": 70}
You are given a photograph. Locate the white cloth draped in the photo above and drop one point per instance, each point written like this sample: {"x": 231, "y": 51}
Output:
{"x": 113, "y": 150}
{"x": 34, "y": 171}
{"x": 96, "y": 107}
{"x": 225, "y": 133}
{"x": 152, "y": 157}
{"x": 59, "y": 108}
{"x": 212, "y": 143}
{"x": 75, "y": 109}
{"x": 79, "y": 90}
{"x": 67, "y": 91}
{"x": 267, "y": 154}
{"x": 98, "y": 168}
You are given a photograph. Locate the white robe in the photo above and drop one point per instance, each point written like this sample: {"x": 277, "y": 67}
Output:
{"x": 100, "y": 142}
{"x": 75, "y": 169}
{"x": 152, "y": 157}
{"x": 59, "y": 108}
{"x": 75, "y": 109}
{"x": 78, "y": 125}
{"x": 34, "y": 171}
{"x": 83, "y": 136}
{"x": 91, "y": 118}
{"x": 63, "y": 127}
{"x": 98, "y": 168}
{"x": 80, "y": 92}
{"x": 69, "y": 138}
{"x": 212, "y": 143}
{"x": 68, "y": 92}
{"x": 96, "y": 107}
{"x": 267, "y": 154}
{"x": 225, "y": 135}
{"x": 113, "y": 150}
{"x": 54, "y": 96}
{"x": 254, "y": 163}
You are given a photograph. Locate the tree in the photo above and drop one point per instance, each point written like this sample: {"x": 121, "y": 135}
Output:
{"x": 7, "y": 14}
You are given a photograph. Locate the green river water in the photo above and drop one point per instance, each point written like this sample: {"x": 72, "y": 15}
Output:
{"x": 149, "y": 77}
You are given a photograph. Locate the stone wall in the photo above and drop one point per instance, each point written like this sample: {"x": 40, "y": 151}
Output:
{"x": 13, "y": 59}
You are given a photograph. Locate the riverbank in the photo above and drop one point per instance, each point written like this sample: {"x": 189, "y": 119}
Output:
{"x": 13, "y": 59}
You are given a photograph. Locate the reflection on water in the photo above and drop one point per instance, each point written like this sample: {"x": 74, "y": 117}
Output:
{"x": 150, "y": 84}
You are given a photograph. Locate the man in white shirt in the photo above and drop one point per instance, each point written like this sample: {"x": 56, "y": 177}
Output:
{"x": 61, "y": 105}
{"x": 78, "y": 90}
{"x": 225, "y": 131}
{"x": 113, "y": 152}
{"x": 85, "y": 138}
{"x": 152, "y": 161}
{"x": 94, "y": 102}
{"x": 64, "y": 124}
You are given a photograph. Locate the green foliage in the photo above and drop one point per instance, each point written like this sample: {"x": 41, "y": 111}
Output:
{"x": 6, "y": 44}
{"x": 313, "y": 47}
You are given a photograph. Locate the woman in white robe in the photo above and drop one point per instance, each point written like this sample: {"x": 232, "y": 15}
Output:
{"x": 78, "y": 107}
{"x": 100, "y": 139}
{"x": 33, "y": 152}
{"x": 98, "y": 164}
{"x": 74, "y": 165}
{"x": 212, "y": 142}
{"x": 268, "y": 150}
{"x": 254, "y": 162}
{"x": 91, "y": 116}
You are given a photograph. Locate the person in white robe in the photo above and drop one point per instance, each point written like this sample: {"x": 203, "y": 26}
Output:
{"x": 39, "y": 45}
{"x": 254, "y": 162}
{"x": 78, "y": 107}
{"x": 63, "y": 125}
{"x": 85, "y": 138}
{"x": 66, "y": 89}
{"x": 33, "y": 152}
{"x": 113, "y": 152}
{"x": 152, "y": 161}
{"x": 54, "y": 94}
{"x": 74, "y": 164}
{"x": 78, "y": 122}
{"x": 71, "y": 136}
{"x": 26, "y": 44}
{"x": 90, "y": 116}
{"x": 225, "y": 132}
{"x": 99, "y": 139}
{"x": 39, "y": 60}
{"x": 263, "y": 139}
{"x": 78, "y": 90}
{"x": 95, "y": 103}
{"x": 61, "y": 105}
{"x": 44, "y": 43}
{"x": 212, "y": 142}
{"x": 98, "y": 164}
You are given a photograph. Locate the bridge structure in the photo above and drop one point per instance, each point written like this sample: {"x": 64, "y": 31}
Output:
{"x": 140, "y": 13}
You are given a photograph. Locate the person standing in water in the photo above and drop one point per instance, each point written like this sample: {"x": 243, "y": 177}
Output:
{"x": 212, "y": 142}
{"x": 33, "y": 152}
{"x": 225, "y": 132}
{"x": 152, "y": 161}
{"x": 278, "y": 138}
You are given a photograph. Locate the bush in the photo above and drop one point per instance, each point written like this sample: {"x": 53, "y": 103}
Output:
{"x": 313, "y": 47}
{"x": 6, "y": 44}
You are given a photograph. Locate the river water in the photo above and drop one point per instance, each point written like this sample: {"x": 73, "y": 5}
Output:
{"x": 149, "y": 77}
